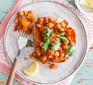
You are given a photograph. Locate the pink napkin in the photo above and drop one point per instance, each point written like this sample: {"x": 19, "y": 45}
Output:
{"x": 8, "y": 16}
{"x": 4, "y": 65}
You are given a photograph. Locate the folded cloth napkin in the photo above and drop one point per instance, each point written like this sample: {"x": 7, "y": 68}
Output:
{"x": 4, "y": 65}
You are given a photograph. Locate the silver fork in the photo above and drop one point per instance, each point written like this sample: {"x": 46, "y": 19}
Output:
{"x": 22, "y": 40}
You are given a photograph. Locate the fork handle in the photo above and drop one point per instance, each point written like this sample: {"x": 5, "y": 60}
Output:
{"x": 12, "y": 72}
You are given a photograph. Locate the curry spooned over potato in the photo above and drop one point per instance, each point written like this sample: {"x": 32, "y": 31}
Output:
{"x": 54, "y": 39}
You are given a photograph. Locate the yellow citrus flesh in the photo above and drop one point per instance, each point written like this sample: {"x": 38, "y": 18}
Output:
{"x": 32, "y": 70}
{"x": 87, "y": 3}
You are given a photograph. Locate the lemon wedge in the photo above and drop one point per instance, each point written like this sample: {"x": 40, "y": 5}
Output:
{"x": 87, "y": 3}
{"x": 32, "y": 70}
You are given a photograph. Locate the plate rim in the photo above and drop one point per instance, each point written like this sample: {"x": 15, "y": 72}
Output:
{"x": 86, "y": 47}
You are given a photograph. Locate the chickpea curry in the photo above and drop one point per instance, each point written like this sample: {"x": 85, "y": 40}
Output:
{"x": 54, "y": 39}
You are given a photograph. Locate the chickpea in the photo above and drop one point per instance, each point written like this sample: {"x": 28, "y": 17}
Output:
{"x": 20, "y": 13}
{"x": 42, "y": 51}
{"x": 56, "y": 32}
{"x": 63, "y": 24}
{"x": 62, "y": 54}
{"x": 71, "y": 42}
{"x": 55, "y": 58}
{"x": 56, "y": 53}
{"x": 57, "y": 40}
{"x": 34, "y": 53}
{"x": 58, "y": 26}
{"x": 51, "y": 39}
{"x": 32, "y": 56}
{"x": 49, "y": 62}
{"x": 50, "y": 25}
{"x": 42, "y": 28}
{"x": 37, "y": 49}
{"x": 50, "y": 52}
{"x": 62, "y": 29}
{"x": 58, "y": 60}
{"x": 52, "y": 60}
{"x": 49, "y": 56}
{"x": 38, "y": 54}
{"x": 65, "y": 46}
{"x": 40, "y": 19}
{"x": 61, "y": 58}
{"x": 38, "y": 25}
{"x": 46, "y": 20}
{"x": 60, "y": 51}
{"x": 44, "y": 62}
{"x": 36, "y": 58}
{"x": 52, "y": 20}
{"x": 53, "y": 66}
{"x": 43, "y": 58}
{"x": 41, "y": 43}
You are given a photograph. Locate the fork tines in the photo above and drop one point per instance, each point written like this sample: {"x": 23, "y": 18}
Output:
{"x": 23, "y": 34}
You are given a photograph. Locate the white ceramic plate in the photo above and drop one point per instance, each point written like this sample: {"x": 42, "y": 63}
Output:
{"x": 65, "y": 69}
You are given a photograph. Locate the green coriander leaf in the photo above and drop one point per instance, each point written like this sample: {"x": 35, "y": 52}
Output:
{"x": 46, "y": 39}
{"x": 71, "y": 48}
{"x": 46, "y": 43}
{"x": 55, "y": 46}
{"x": 29, "y": 43}
{"x": 61, "y": 35}
{"x": 45, "y": 46}
{"x": 64, "y": 39}
{"x": 69, "y": 54}
{"x": 48, "y": 32}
